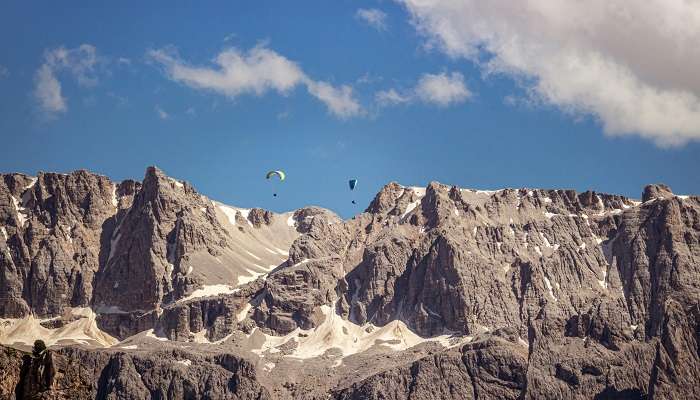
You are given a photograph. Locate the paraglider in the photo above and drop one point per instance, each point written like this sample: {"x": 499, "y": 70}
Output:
{"x": 279, "y": 173}
{"x": 352, "y": 183}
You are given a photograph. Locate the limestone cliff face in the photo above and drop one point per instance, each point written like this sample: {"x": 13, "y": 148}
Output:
{"x": 50, "y": 240}
{"x": 167, "y": 220}
{"x": 600, "y": 291}
{"x": 547, "y": 293}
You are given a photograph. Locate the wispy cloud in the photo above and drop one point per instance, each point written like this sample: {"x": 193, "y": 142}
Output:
{"x": 373, "y": 17}
{"x": 256, "y": 72}
{"x": 162, "y": 114}
{"x": 4, "y": 72}
{"x": 442, "y": 89}
{"x": 392, "y": 97}
{"x": 368, "y": 78}
{"x": 439, "y": 89}
{"x": 339, "y": 100}
{"x": 584, "y": 57}
{"x": 80, "y": 62}
{"x": 120, "y": 100}
{"x": 47, "y": 91}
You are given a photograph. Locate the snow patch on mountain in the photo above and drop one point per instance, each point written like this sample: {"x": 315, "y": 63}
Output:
{"x": 115, "y": 202}
{"x": 81, "y": 329}
{"x": 410, "y": 207}
{"x": 209, "y": 291}
{"x": 20, "y": 211}
{"x": 549, "y": 288}
{"x": 347, "y": 337}
{"x": 231, "y": 212}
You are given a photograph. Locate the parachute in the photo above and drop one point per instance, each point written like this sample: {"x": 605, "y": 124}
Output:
{"x": 352, "y": 183}
{"x": 279, "y": 173}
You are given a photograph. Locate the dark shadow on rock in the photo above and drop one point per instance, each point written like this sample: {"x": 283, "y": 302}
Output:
{"x": 626, "y": 394}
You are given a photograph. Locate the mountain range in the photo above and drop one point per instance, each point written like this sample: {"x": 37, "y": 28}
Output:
{"x": 152, "y": 290}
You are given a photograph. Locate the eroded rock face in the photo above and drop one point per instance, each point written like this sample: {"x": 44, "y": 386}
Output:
{"x": 610, "y": 283}
{"x": 126, "y": 249}
{"x": 103, "y": 374}
{"x": 50, "y": 244}
{"x": 495, "y": 368}
{"x": 458, "y": 260}
{"x": 552, "y": 294}
{"x": 258, "y": 217}
{"x": 144, "y": 267}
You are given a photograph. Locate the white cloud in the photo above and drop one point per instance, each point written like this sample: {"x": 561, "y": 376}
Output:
{"x": 161, "y": 113}
{"x": 256, "y": 72}
{"x": 373, "y": 17}
{"x": 391, "y": 97}
{"x": 439, "y": 89}
{"x": 340, "y": 100}
{"x": 367, "y": 79}
{"x": 47, "y": 90}
{"x": 442, "y": 89}
{"x": 80, "y": 62}
{"x": 633, "y": 65}
{"x": 4, "y": 72}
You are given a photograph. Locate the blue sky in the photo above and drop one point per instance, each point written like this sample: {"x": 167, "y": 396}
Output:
{"x": 378, "y": 91}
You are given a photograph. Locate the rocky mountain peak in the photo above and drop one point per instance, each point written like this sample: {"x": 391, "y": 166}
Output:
{"x": 386, "y": 199}
{"x": 167, "y": 220}
{"x": 160, "y": 190}
{"x": 654, "y": 191}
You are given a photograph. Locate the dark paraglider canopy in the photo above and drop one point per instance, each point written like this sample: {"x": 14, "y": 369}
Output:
{"x": 352, "y": 183}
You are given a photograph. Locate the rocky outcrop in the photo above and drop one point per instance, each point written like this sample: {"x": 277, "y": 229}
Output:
{"x": 166, "y": 374}
{"x": 145, "y": 264}
{"x": 258, "y": 217}
{"x": 492, "y": 368}
{"x": 10, "y": 370}
{"x": 50, "y": 242}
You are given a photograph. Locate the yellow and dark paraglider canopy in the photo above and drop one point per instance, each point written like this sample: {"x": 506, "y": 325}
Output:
{"x": 278, "y": 173}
